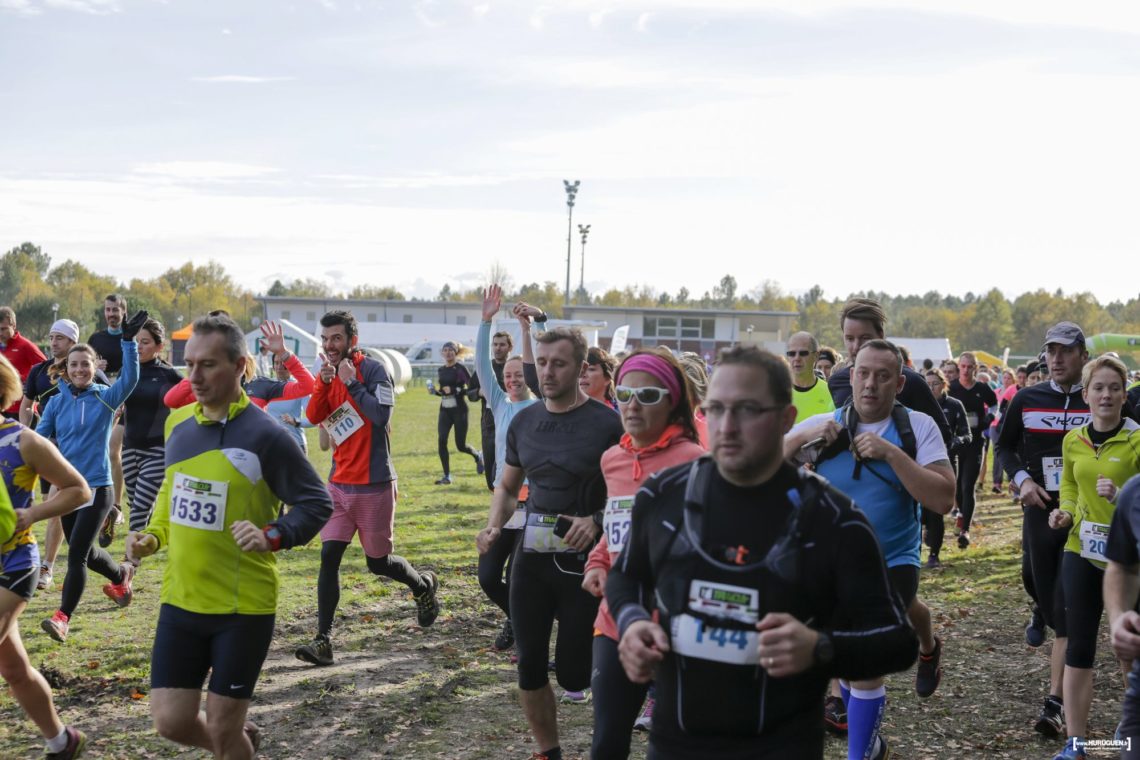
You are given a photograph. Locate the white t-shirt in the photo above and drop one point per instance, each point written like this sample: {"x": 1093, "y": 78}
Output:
{"x": 928, "y": 438}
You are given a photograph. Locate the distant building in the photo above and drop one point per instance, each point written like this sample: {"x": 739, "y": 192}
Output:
{"x": 700, "y": 330}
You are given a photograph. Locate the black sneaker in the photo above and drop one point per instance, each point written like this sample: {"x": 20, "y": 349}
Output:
{"x": 963, "y": 540}
{"x": 479, "y": 468}
{"x": 317, "y": 652}
{"x": 933, "y": 563}
{"x": 427, "y": 605}
{"x": 506, "y": 638}
{"x": 1035, "y": 631}
{"x": 835, "y": 715}
{"x": 444, "y": 481}
{"x": 882, "y": 751}
{"x": 76, "y": 741}
{"x": 929, "y": 672}
{"x": 1051, "y": 719}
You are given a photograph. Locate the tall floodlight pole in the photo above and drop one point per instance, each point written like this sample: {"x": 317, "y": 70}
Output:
{"x": 571, "y": 191}
{"x": 584, "y": 230}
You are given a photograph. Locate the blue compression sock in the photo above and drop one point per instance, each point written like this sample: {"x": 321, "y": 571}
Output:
{"x": 864, "y": 715}
{"x": 845, "y": 692}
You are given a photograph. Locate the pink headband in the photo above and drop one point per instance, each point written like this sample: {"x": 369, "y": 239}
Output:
{"x": 657, "y": 367}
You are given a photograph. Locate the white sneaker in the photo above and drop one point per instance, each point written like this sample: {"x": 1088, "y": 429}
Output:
{"x": 645, "y": 720}
{"x": 44, "y": 583}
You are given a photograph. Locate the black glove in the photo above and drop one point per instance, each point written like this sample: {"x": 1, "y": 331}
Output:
{"x": 132, "y": 326}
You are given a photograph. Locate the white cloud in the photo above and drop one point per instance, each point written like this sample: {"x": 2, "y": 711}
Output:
{"x": 481, "y": 10}
{"x": 226, "y": 32}
{"x": 21, "y": 7}
{"x": 419, "y": 181}
{"x": 203, "y": 170}
{"x": 598, "y": 17}
{"x": 239, "y": 78}
{"x": 642, "y": 24}
{"x": 95, "y": 7}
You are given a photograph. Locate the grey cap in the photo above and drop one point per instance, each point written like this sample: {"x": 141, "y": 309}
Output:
{"x": 1064, "y": 334}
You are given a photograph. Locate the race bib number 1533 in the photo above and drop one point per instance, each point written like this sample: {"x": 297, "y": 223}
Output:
{"x": 197, "y": 503}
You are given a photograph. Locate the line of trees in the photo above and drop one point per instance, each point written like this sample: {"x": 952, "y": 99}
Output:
{"x": 989, "y": 321}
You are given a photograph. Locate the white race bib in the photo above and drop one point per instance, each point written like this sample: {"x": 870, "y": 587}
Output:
{"x": 518, "y": 519}
{"x": 1094, "y": 538}
{"x": 972, "y": 420}
{"x": 448, "y": 402}
{"x": 1051, "y": 471}
{"x": 616, "y": 522}
{"x": 693, "y": 637}
{"x": 343, "y": 423}
{"x": 197, "y": 503}
{"x": 538, "y": 535}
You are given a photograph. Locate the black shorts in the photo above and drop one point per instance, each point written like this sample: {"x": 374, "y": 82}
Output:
{"x": 188, "y": 645}
{"x": 904, "y": 582}
{"x": 22, "y": 583}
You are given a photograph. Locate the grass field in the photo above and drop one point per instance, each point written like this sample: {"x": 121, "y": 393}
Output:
{"x": 397, "y": 691}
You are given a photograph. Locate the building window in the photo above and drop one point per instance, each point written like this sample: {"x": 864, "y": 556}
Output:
{"x": 286, "y": 314}
{"x": 311, "y": 316}
{"x": 461, "y": 320}
{"x": 685, "y": 327}
{"x": 371, "y": 316}
{"x": 407, "y": 318}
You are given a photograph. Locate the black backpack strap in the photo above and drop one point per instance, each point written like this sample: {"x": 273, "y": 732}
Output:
{"x": 901, "y": 417}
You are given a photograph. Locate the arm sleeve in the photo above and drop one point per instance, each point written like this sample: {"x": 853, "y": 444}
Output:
{"x": 180, "y": 395}
{"x": 871, "y": 634}
{"x": 1121, "y": 546}
{"x": 928, "y": 441}
{"x": 304, "y": 385}
{"x": 492, "y": 392}
{"x": 963, "y": 436}
{"x": 128, "y": 375}
{"x": 373, "y": 395}
{"x": 291, "y": 478}
{"x": 46, "y": 426}
{"x": 599, "y": 556}
{"x": 1068, "y": 475}
{"x": 159, "y": 525}
{"x": 318, "y": 409}
{"x": 1009, "y": 436}
{"x": 630, "y": 579}
{"x": 530, "y": 375}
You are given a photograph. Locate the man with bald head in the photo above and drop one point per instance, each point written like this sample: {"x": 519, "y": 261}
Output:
{"x": 809, "y": 395}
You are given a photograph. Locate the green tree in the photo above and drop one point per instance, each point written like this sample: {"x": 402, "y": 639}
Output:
{"x": 375, "y": 293}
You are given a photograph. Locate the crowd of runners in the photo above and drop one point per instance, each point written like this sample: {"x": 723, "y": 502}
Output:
{"x": 733, "y": 554}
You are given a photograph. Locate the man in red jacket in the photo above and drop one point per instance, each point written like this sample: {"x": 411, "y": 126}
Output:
{"x": 21, "y": 352}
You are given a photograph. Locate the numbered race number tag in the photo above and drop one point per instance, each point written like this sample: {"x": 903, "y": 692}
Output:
{"x": 1094, "y": 538}
{"x": 539, "y": 534}
{"x": 449, "y": 402}
{"x": 616, "y": 521}
{"x": 972, "y": 420}
{"x": 197, "y": 503}
{"x": 693, "y": 637}
{"x": 518, "y": 519}
{"x": 343, "y": 423}
{"x": 1051, "y": 470}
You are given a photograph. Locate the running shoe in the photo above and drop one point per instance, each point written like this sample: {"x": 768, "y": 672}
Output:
{"x": 1071, "y": 753}
{"x": 963, "y": 540}
{"x": 56, "y": 626}
{"x": 1035, "y": 631}
{"x": 506, "y": 638}
{"x": 76, "y": 741}
{"x": 583, "y": 697}
{"x": 929, "y": 672}
{"x": 479, "y": 468}
{"x": 997, "y": 489}
{"x": 933, "y": 563}
{"x": 882, "y": 751}
{"x": 317, "y": 652}
{"x": 121, "y": 593}
{"x": 427, "y": 605}
{"x": 44, "y": 583}
{"x": 444, "y": 481}
{"x": 1051, "y": 719}
{"x": 835, "y": 715}
{"x": 107, "y": 533}
{"x": 645, "y": 721}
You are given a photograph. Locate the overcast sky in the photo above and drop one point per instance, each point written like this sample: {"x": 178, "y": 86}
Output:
{"x": 903, "y": 145}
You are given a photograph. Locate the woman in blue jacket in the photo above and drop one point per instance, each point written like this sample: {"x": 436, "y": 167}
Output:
{"x": 80, "y": 418}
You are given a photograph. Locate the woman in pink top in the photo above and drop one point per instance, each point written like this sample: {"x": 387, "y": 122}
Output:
{"x": 656, "y": 408}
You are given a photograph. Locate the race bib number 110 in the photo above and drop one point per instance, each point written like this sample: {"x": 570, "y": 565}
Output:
{"x": 197, "y": 503}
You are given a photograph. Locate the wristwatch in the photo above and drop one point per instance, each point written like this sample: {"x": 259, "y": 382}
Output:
{"x": 273, "y": 533}
{"x": 824, "y": 651}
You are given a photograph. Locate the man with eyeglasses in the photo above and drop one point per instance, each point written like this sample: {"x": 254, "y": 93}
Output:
{"x": 888, "y": 459}
{"x": 764, "y": 580}
{"x": 809, "y": 394}
{"x": 555, "y": 446}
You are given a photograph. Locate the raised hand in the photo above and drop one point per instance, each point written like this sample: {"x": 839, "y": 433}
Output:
{"x": 492, "y": 302}
{"x": 132, "y": 326}
{"x": 273, "y": 337}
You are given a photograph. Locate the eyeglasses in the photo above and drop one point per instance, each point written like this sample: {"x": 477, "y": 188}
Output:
{"x": 646, "y": 396}
{"x": 744, "y": 412}
{"x": 794, "y": 354}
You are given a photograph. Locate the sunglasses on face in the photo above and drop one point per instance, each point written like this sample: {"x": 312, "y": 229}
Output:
{"x": 646, "y": 396}
{"x": 794, "y": 354}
